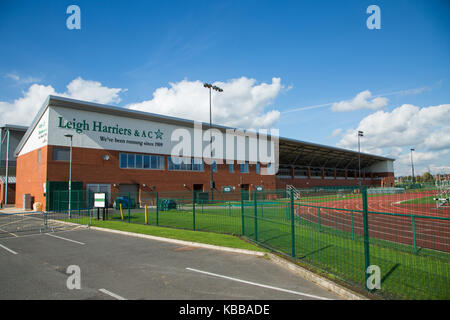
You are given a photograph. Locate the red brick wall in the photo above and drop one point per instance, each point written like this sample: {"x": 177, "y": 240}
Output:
{"x": 30, "y": 176}
{"x": 88, "y": 166}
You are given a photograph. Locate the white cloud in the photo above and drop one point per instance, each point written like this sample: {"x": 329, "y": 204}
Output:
{"x": 336, "y": 132}
{"x": 417, "y": 157}
{"x": 394, "y": 133}
{"x": 12, "y": 76}
{"x": 423, "y": 162}
{"x": 243, "y": 103}
{"x": 406, "y": 125}
{"x": 22, "y": 110}
{"x": 361, "y": 101}
{"x": 439, "y": 139}
{"x": 92, "y": 91}
{"x": 21, "y": 80}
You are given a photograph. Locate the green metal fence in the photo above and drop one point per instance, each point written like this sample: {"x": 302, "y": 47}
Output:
{"x": 340, "y": 231}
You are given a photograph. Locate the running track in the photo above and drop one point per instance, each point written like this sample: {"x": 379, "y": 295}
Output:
{"x": 429, "y": 233}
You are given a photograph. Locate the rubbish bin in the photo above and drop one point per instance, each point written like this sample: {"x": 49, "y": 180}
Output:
{"x": 27, "y": 201}
{"x": 37, "y": 206}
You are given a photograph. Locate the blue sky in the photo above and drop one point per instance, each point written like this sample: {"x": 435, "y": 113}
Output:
{"x": 321, "y": 52}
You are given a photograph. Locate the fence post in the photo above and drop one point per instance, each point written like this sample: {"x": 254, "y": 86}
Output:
{"x": 414, "y": 233}
{"x": 318, "y": 215}
{"x": 193, "y": 210}
{"x": 129, "y": 206}
{"x": 256, "y": 216}
{"x": 366, "y": 234}
{"x": 351, "y": 218}
{"x": 292, "y": 224}
{"x": 242, "y": 212}
{"x": 157, "y": 209}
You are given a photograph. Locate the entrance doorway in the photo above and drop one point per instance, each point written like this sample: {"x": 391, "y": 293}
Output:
{"x": 246, "y": 188}
{"x": 198, "y": 187}
{"x": 130, "y": 191}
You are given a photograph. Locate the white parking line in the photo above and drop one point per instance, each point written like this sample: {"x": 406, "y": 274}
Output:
{"x": 15, "y": 235}
{"x": 7, "y": 249}
{"x": 260, "y": 285}
{"x": 109, "y": 293}
{"x": 51, "y": 235}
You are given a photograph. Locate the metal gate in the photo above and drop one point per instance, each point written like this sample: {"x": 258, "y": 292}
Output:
{"x": 15, "y": 224}
{"x": 23, "y": 223}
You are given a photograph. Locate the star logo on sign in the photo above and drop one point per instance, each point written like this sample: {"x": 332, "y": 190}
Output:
{"x": 159, "y": 134}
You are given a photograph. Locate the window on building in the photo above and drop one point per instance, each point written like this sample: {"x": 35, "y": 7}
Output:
{"x": 244, "y": 167}
{"x": 139, "y": 161}
{"x": 146, "y": 164}
{"x": 123, "y": 160}
{"x": 258, "y": 168}
{"x": 231, "y": 167}
{"x": 157, "y": 162}
{"x": 185, "y": 164}
{"x": 197, "y": 165}
{"x": 39, "y": 156}
{"x": 131, "y": 158}
{"x": 214, "y": 166}
{"x": 61, "y": 154}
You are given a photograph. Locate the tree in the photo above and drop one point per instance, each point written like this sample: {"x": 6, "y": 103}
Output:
{"x": 427, "y": 177}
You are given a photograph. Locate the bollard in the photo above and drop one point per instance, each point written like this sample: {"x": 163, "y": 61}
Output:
{"x": 146, "y": 214}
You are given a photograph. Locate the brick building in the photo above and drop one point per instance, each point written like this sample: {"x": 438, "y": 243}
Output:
{"x": 121, "y": 150}
{"x": 10, "y": 137}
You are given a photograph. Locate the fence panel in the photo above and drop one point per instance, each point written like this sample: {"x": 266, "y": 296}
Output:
{"x": 322, "y": 227}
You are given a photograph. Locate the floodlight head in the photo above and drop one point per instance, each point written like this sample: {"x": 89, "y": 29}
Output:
{"x": 217, "y": 88}
{"x": 68, "y": 135}
{"x": 207, "y": 85}
{"x": 360, "y": 133}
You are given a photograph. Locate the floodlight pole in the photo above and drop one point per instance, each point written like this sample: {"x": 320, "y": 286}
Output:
{"x": 360, "y": 134}
{"x": 412, "y": 165}
{"x": 70, "y": 175}
{"x": 211, "y": 181}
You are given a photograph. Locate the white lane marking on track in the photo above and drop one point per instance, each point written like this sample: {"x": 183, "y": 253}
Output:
{"x": 51, "y": 235}
{"x": 111, "y": 294}
{"x": 259, "y": 285}
{"x": 8, "y": 249}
